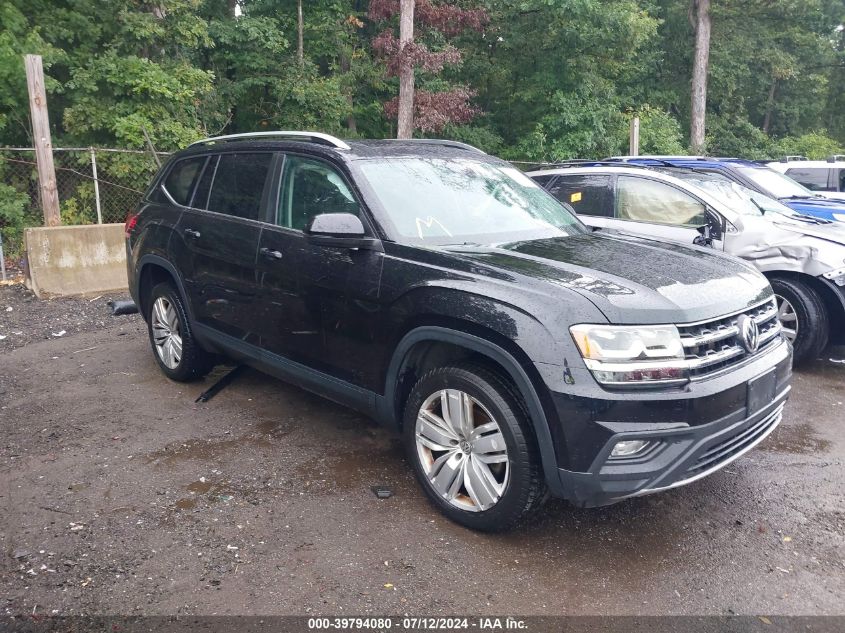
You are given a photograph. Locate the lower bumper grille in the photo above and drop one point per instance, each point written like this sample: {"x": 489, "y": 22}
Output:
{"x": 739, "y": 441}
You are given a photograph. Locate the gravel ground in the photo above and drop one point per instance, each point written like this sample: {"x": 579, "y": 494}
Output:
{"x": 123, "y": 496}
{"x": 26, "y": 319}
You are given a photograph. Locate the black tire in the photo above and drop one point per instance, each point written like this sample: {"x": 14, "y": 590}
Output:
{"x": 813, "y": 324}
{"x": 194, "y": 362}
{"x": 525, "y": 489}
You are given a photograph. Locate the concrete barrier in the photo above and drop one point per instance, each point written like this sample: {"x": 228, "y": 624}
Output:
{"x": 75, "y": 260}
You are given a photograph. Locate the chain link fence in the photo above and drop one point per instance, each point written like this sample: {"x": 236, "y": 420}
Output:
{"x": 95, "y": 185}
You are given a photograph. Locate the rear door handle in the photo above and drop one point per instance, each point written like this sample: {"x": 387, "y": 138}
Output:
{"x": 194, "y": 235}
{"x": 270, "y": 254}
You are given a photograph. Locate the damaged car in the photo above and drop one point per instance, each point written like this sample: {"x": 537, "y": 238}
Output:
{"x": 802, "y": 256}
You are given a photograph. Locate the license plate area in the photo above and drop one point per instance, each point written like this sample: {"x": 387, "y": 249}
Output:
{"x": 761, "y": 391}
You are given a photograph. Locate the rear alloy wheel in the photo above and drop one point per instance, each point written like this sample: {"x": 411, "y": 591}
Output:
{"x": 167, "y": 335}
{"x": 470, "y": 441}
{"x": 176, "y": 351}
{"x": 802, "y": 316}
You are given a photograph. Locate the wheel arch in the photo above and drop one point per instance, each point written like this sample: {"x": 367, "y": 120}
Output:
{"x": 832, "y": 298}
{"x": 426, "y": 346}
{"x": 153, "y": 270}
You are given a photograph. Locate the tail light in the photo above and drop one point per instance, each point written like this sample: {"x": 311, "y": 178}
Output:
{"x": 131, "y": 221}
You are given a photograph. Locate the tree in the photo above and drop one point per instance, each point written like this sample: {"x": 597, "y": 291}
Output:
{"x": 434, "y": 106}
{"x": 700, "y": 9}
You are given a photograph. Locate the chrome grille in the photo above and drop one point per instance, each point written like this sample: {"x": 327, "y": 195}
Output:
{"x": 711, "y": 346}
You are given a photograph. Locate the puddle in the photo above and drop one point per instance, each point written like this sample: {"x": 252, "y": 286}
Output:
{"x": 199, "y": 487}
{"x": 77, "y": 487}
{"x": 795, "y": 438}
{"x": 360, "y": 468}
{"x": 186, "y": 504}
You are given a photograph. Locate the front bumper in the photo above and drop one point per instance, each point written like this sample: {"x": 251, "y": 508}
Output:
{"x": 683, "y": 450}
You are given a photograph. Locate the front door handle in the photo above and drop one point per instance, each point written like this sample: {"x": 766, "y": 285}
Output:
{"x": 194, "y": 235}
{"x": 270, "y": 254}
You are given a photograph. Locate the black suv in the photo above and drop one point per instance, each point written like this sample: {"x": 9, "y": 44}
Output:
{"x": 442, "y": 292}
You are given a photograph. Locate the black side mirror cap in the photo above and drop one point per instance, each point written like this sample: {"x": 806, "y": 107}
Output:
{"x": 340, "y": 230}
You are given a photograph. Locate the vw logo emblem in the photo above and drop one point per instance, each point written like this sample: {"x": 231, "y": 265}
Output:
{"x": 749, "y": 335}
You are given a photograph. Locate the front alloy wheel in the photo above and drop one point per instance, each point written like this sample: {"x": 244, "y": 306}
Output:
{"x": 788, "y": 318}
{"x": 469, "y": 439}
{"x": 462, "y": 450}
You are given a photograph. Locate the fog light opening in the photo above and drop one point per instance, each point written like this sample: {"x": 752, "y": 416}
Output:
{"x": 629, "y": 448}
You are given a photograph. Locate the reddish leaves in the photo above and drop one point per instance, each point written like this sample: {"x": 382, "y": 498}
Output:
{"x": 434, "y": 110}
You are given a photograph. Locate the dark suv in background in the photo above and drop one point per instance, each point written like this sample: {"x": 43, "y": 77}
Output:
{"x": 442, "y": 292}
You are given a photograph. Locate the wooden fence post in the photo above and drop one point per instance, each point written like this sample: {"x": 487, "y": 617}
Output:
{"x": 41, "y": 140}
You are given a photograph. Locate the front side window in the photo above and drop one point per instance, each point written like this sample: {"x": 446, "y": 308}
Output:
{"x": 814, "y": 178}
{"x": 644, "y": 200}
{"x": 458, "y": 200}
{"x": 311, "y": 187}
{"x": 239, "y": 184}
{"x": 180, "y": 181}
{"x": 588, "y": 194}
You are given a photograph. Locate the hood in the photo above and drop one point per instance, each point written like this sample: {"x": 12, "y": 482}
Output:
{"x": 831, "y": 232}
{"x": 632, "y": 279}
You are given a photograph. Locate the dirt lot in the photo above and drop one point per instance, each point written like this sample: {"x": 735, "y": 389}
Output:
{"x": 120, "y": 495}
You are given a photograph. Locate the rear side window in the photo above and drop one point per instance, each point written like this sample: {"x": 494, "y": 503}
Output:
{"x": 180, "y": 181}
{"x": 588, "y": 194}
{"x": 814, "y": 178}
{"x": 239, "y": 184}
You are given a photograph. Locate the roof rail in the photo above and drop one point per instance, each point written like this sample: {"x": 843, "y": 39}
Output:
{"x": 835, "y": 158}
{"x": 314, "y": 137}
{"x": 442, "y": 141}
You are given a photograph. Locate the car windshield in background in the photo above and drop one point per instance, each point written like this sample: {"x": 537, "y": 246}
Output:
{"x": 456, "y": 201}
{"x": 740, "y": 199}
{"x": 776, "y": 183}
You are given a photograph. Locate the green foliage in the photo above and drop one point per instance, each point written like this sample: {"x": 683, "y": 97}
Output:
{"x": 815, "y": 146}
{"x": 553, "y": 79}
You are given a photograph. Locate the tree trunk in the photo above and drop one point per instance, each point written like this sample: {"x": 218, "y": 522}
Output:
{"x": 300, "y": 27}
{"x": 699, "y": 75}
{"x": 405, "y": 120}
{"x": 770, "y": 104}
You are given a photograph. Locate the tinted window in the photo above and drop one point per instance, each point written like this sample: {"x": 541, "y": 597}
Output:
{"x": 644, "y": 200}
{"x": 842, "y": 180}
{"x": 588, "y": 194}
{"x": 200, "y": 200}
{"x": 239, "y": 184}
{"x": 310, "y": 188}
{"x": 814, "y": 178}
{"x": 180, "y": 180}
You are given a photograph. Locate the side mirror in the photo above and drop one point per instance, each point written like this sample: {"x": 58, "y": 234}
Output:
{"x": 704, "y": 238}
{"x": 340, "y": 230}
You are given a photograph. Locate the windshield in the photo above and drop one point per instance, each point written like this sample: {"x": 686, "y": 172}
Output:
{"x": 740, "y": 199}
{"x": 457, "y": 201}
{"x": 775, "y": 183}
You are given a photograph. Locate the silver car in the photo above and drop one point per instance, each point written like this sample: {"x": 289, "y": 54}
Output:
{"x": 803, "y": 257}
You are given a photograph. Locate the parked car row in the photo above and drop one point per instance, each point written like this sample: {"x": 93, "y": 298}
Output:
{"x": 802, "y": 257}
{"x": 824, "y": 178}
{"x": 519, "y": 352}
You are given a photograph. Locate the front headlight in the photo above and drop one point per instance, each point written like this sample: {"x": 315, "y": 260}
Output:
{"x": 620, "y": 355}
